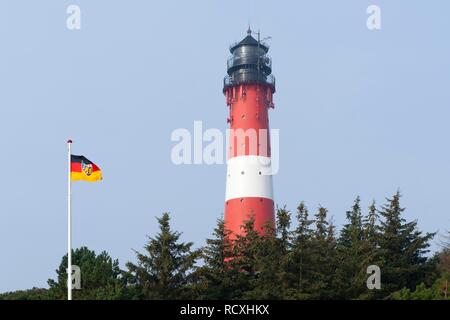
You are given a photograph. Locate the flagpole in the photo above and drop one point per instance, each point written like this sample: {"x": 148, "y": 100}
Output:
{"x": 69, "y": 223}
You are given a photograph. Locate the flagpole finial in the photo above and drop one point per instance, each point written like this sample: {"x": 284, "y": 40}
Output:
{"x": 69, "y": 141}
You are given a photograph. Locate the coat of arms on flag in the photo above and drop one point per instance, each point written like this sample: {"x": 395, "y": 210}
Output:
{"x": 83, "y": 169}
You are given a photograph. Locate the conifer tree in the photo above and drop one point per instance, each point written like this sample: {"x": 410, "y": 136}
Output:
{"x": 283, "y": 229}
{"x": 101, "y": 277}
{"x": 352, "y": 254}
{"x": 323, "y": 255}
{"x": 257, "y": 261}
{"x": 352, "y": 232}
{"x": 402, "y": 249}
{"x": 216, "y": 279}
{"x": 370, "y": 225}
{"x": 299, "y": 264}
{"x": 245, "y": 248}
{"x": 165, "y": 270}
{"x": 272, "y": 249}
{"x": 283, "y": 248}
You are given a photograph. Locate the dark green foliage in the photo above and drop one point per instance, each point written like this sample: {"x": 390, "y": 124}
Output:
{"x": 31, "y": 294}
{"x": 300, "y": 259}
{"x": 100, "y": 277}
{"x": 216, "y": 279}
{"x": 323, "y": 257}
{"x": 283, "y": 229}
{"x": 268, "y": 258}
{"x": 300, "y": 268}
{"x": 402, "y": 249}
{"x": 356, "y": 250}
{"x": 440, "y": 290}
{"x": 164, "y": 271}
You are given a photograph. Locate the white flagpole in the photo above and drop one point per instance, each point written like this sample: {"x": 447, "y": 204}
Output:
{"x": 69, "y": 224}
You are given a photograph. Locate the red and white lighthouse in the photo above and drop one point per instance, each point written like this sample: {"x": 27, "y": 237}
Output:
{"x": 248, "y": 88}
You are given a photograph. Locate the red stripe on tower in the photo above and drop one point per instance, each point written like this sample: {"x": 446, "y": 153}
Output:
{"x": 248, "y": 88}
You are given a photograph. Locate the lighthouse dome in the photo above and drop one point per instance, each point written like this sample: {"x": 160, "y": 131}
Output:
{"x": 249, "y": 41}
{"x": 249, "y": 63}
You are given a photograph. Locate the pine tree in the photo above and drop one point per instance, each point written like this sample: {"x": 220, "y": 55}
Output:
{"x": 370, "y": 248}
{"x": 353, "y": 252}
{"x": 402, "y": 249}
{"x": 299, "y": 266}
{"x": 283, "y": 226}
{"x": 273, "y": 249}
{"x": 101, "y": 277}
{"x": 370, "y": 225}
{"x": 266, "y": 282}
{"x": 165, "y": 270}
{"x": 245, "y": 248}
{"x": 323, "y": 255}
{"x": 352, "y": 232}
{"x": 282, "y": 252}
{"x": 253, "y": 271}
{"x": 216, "y": 279}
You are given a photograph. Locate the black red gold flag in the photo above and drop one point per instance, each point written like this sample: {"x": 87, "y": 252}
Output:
{"x": 82, "y": 168}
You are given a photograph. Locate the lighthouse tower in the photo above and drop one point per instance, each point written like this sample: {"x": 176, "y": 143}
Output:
{"x": 248, "y": 88}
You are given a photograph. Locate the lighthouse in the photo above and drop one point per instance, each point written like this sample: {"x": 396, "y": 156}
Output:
{"x": 248, "y": 87}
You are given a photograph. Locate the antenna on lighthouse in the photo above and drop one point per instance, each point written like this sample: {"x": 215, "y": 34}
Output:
{"x": 260, "y": 41}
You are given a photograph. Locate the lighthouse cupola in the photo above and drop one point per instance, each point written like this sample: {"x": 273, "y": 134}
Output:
{"x": 249, "y": 63}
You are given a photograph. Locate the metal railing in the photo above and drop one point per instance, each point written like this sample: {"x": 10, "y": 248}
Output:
{"x": 265, "y": 61}
{"x": 229, "y": 81}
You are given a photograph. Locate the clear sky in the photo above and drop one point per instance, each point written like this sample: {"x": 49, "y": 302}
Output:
{"x": 360, "y": 113}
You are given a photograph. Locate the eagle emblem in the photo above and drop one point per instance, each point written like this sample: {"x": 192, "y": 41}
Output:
{"x": 87, "y": 168}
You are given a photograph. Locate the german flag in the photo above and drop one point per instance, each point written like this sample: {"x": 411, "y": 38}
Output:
{"x": 83, "y": 169}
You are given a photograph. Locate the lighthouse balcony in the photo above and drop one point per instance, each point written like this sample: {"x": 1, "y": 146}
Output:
{"x": 248, "y": 78}
{"x": 235, "y": 62}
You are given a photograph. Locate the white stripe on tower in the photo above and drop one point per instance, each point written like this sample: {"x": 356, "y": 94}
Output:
{"x": 247, "y": 176}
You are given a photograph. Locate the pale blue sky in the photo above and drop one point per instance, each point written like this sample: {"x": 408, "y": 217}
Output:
{"x": 359, "y": 112}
